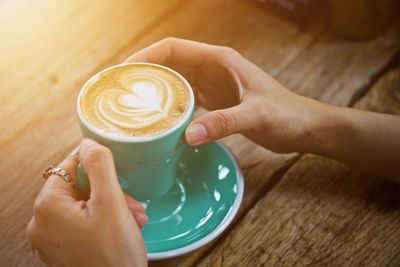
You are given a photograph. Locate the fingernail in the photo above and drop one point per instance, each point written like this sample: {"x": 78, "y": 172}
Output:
{"x": 196, "y": 133}
{"x": 139, "y": 206}
{"x": 143, "y": 217}
{"x": 75, "y": 151}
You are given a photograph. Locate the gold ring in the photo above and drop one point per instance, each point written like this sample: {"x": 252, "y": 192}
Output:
{"x": 57, "y": 171}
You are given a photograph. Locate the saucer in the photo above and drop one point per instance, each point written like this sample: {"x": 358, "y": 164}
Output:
{"x": 205, "y": 198}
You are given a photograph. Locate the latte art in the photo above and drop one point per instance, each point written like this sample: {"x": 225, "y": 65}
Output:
{"x": 135, "y": 100}
{"x": 141, "y": 102}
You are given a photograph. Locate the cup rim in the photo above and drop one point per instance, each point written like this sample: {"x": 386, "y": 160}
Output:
{"x": 136, "y": 139}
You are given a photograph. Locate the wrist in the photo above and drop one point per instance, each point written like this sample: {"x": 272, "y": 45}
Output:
{"x": 328, "y": 129}
{"x": 320, "y": 124}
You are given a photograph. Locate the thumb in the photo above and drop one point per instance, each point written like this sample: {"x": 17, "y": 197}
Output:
{"x": 218, "y": 124}
{"x": 98, "y": 163}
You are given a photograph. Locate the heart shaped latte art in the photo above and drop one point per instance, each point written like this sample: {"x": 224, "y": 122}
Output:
{"x": 140, "y": 104}
{"x": 135, "y": 100}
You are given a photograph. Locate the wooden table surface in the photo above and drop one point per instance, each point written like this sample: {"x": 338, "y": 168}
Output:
{"x": 297, "y": 209}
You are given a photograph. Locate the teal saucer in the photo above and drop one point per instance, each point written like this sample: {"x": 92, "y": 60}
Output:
{"x": 202, "y": 203}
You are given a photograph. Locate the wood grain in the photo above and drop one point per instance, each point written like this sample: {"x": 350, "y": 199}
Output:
{"x": 50, "y": 48}
{"x": 323, "y": 213}
{"x": 311, "y": 62}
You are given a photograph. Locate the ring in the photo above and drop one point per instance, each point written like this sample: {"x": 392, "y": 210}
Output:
{"x": 57, "y": 171}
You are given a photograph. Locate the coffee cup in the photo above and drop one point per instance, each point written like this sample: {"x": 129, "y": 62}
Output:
{"x": 140, "y": 112}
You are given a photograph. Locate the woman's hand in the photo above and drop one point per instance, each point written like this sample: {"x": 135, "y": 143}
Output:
{"x": 100, "y": 231}
{"x": 242, "y": 97}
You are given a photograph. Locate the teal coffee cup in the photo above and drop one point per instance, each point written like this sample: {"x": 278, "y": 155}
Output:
{"x": 146, "y": 165}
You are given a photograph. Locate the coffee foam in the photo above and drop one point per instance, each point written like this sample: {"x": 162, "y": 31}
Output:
{"x": 134, "y": 100}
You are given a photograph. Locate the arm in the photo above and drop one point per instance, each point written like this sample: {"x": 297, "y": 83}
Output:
{"x": 364, "y": 139}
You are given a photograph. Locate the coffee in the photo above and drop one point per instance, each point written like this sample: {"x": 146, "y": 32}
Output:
{"x": 140, "y": 112}
{"x": 134, "y": 100}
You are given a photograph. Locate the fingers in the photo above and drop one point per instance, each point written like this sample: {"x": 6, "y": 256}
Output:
{"x": 215, "y": 72}
{"x": 133, "y": 204}
{"x": 137, "y": 210}
{"x": 69, "y": 165}
{"x": 57, "y": 186}
{"x": 105, "y": 190}
{"x": 140, "y": 218}
{"x": 99, "y": 166}
{"x": 187, "y": 57}
{"x": 220, "y": 123}
{"x": 36, "y": 241}
{"x": 177, "y": 52}
{"x": 30, "y": 233}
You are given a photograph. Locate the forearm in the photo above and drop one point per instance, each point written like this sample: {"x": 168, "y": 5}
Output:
{"x": 363, "y": 139}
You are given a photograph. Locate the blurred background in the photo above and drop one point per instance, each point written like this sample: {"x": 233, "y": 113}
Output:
{"x": 348, "y": 19}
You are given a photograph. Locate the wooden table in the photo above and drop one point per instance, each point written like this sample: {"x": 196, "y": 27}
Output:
{"x": 297, "y": 209}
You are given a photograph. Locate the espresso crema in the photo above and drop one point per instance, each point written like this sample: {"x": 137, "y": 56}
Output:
{"x": 134, "y": 100}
